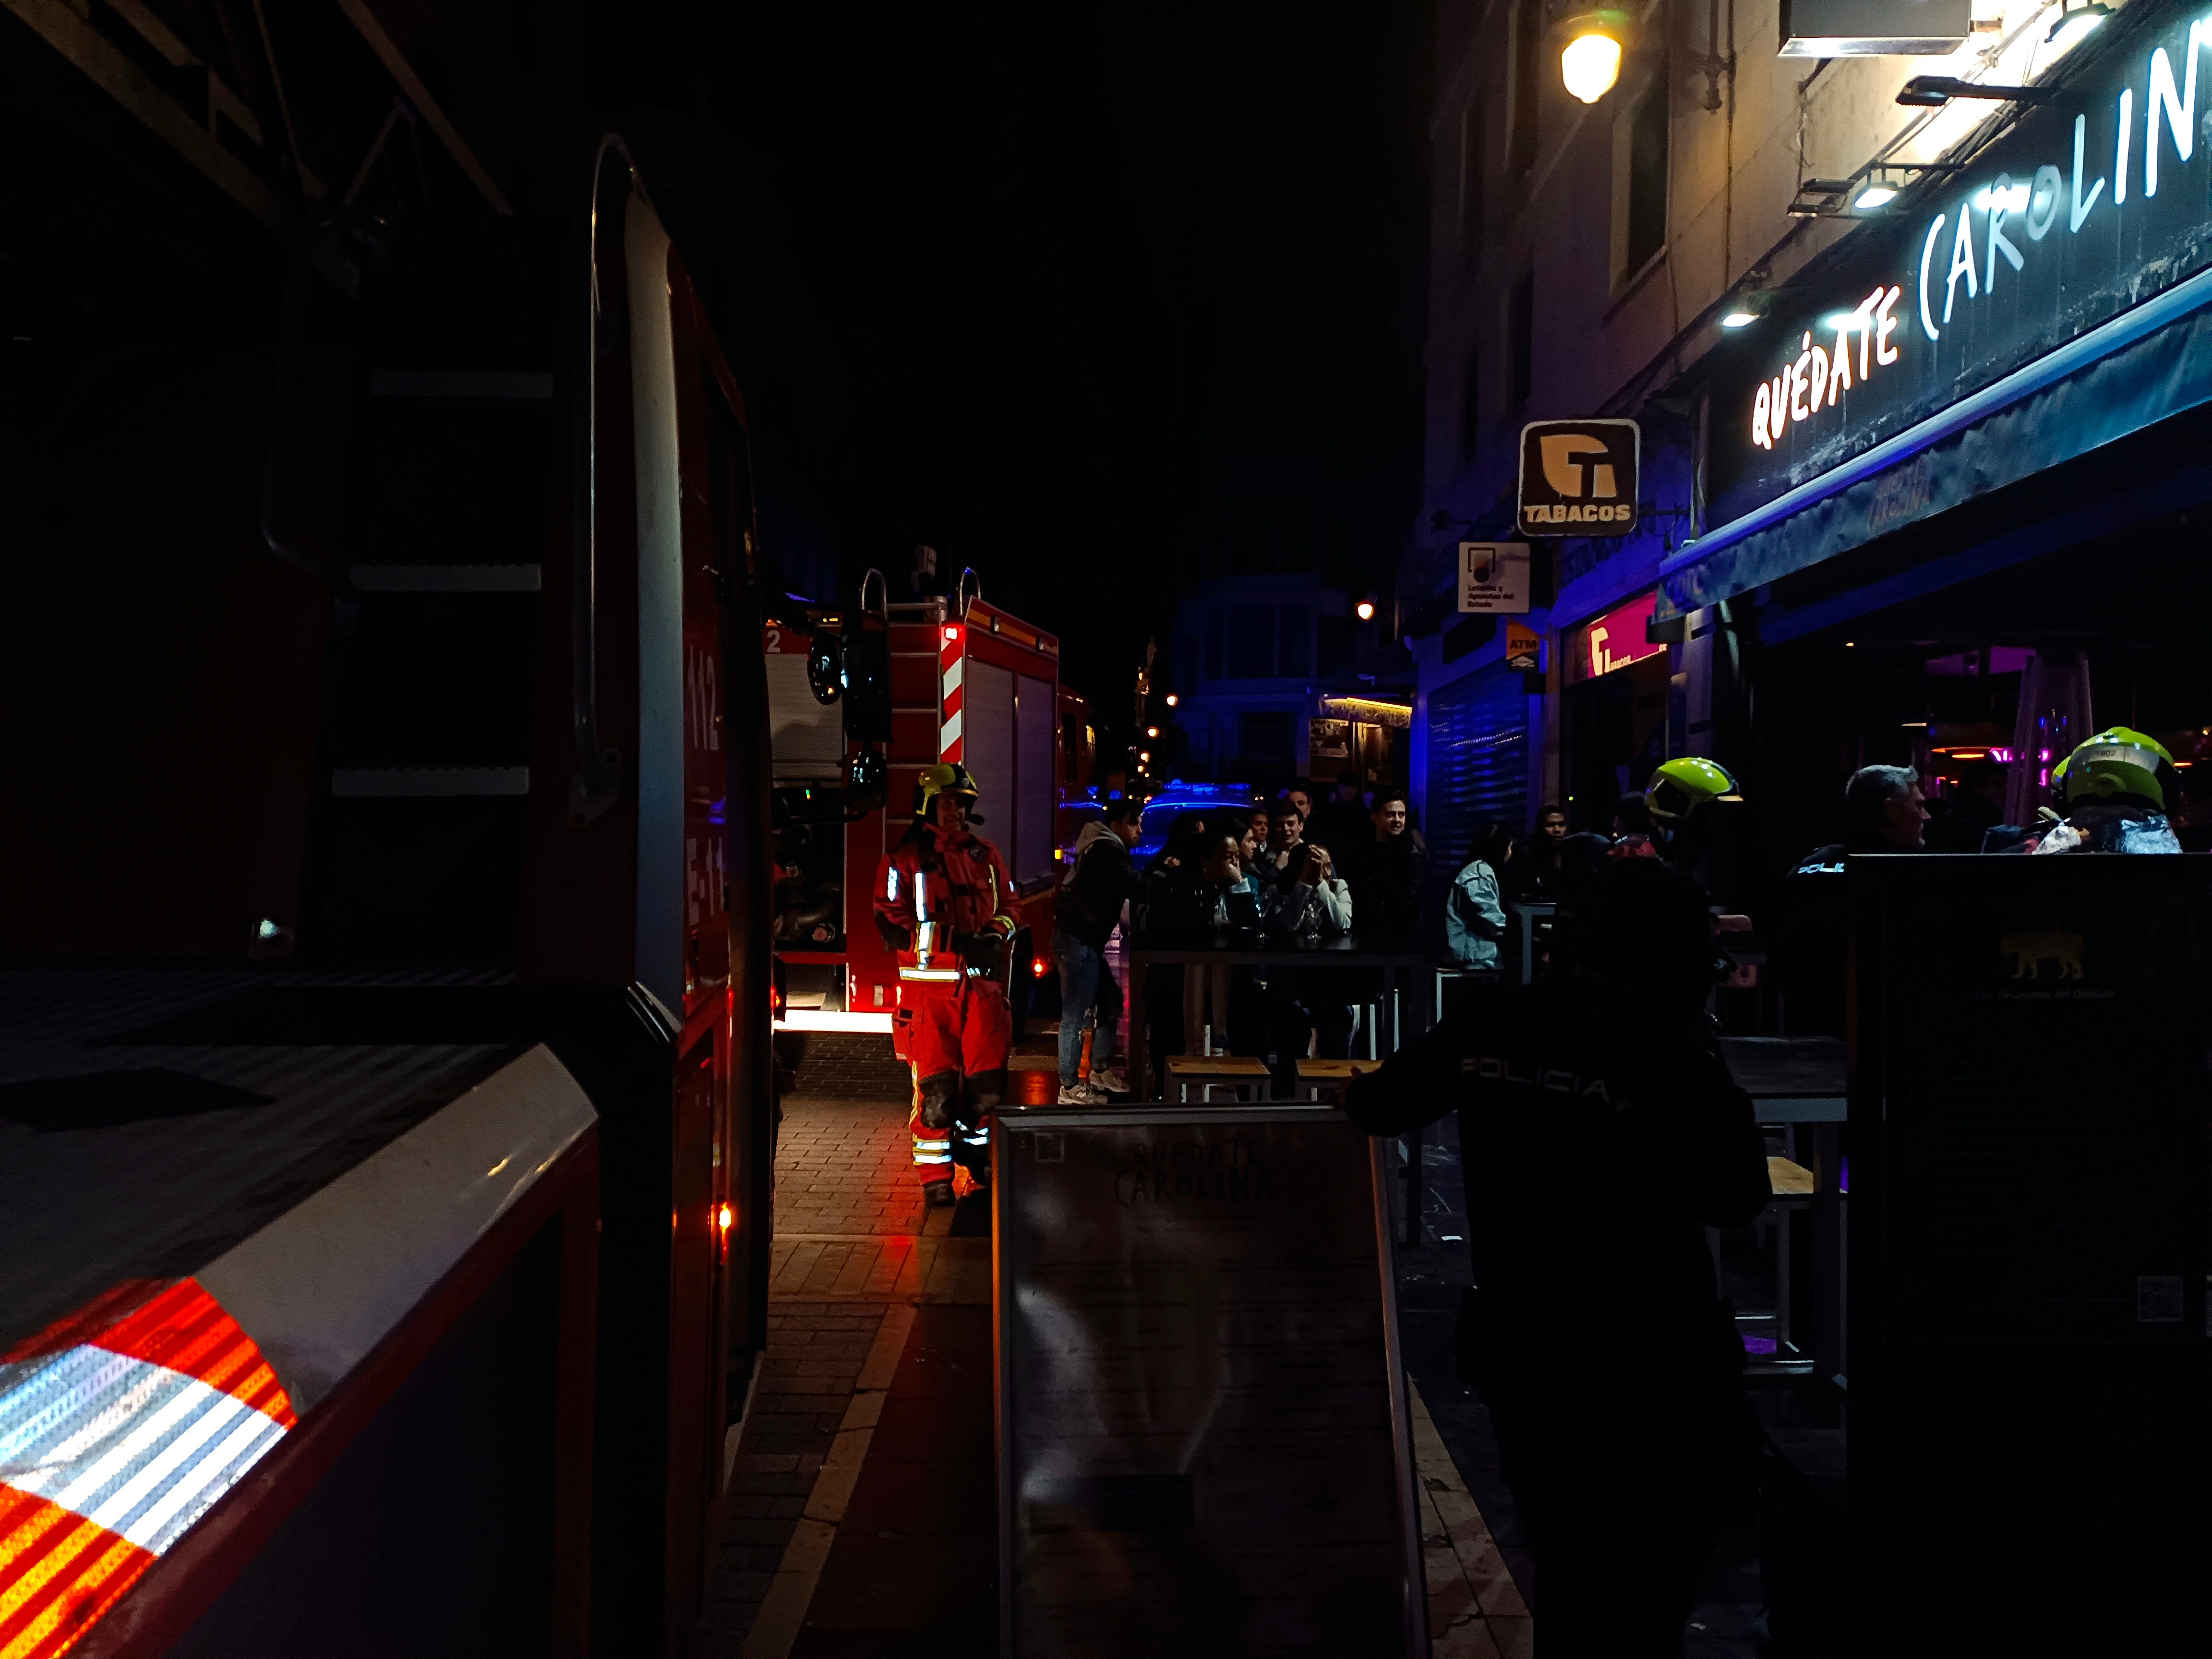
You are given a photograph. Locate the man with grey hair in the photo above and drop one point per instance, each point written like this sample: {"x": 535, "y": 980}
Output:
{"x": 1884, "y": 811}
{"x": 1884, "y": 804}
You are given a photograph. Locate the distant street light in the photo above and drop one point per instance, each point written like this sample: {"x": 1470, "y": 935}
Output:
{"x": 1173, "y": 700}
{"x": 1366, "y": 609}
{"x": 1152, "y": 731}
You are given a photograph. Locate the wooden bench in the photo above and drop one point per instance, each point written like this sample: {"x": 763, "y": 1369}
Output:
{"x": 1315, "y": 1076}
{"x": 1203, "y": 1072}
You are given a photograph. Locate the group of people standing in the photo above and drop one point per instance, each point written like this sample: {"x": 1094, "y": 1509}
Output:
{"x": 1291, "y": 872}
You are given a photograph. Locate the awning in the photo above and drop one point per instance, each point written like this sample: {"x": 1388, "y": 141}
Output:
{"x": 2117, "y": 379}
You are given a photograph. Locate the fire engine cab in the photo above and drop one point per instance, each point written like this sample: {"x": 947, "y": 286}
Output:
{"x": 967, "y": 682}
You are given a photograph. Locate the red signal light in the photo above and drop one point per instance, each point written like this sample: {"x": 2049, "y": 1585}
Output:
{"x": 1040, "y": 966}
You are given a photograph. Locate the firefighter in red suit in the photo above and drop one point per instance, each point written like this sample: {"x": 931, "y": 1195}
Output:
{"x": 944, "y": 905}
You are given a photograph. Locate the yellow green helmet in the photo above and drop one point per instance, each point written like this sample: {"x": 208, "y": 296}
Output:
{"x": 1684, "y": 784}
{"x": 945, "y": 778}
{"x": 2118, "y": 760}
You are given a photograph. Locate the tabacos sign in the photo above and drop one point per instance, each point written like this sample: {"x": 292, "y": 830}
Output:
{"x": 2094, "y": 201}
{"x": 1579, "y": 477}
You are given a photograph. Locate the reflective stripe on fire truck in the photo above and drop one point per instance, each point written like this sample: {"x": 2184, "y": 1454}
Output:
{"x": 120, "y": 1427}
{"x": 950, "y": 672}
{"x": 952, "y": 974}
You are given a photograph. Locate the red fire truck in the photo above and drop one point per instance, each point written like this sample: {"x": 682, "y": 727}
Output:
{"x": 968, "y": 682}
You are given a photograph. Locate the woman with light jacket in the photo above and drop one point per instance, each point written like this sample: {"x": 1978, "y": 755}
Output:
{"x": 1474, "y": 915}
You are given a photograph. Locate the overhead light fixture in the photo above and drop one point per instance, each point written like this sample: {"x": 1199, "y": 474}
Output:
{"x": 1745, "y": 308}
{"x": 1934, "y": 91}
{"x": 2072, "y": 27}
{"x": 1876, "y": 194}
{"x": 1589, "y": 57}
{"x": 1366, "y": 609}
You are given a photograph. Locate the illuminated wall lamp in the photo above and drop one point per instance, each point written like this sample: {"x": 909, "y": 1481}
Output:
{"x": 1366, "y": 609}
{"x": 1592, "y": 42}
{"x": 1745, "y": 308}
{"x": 2073, "y": 26}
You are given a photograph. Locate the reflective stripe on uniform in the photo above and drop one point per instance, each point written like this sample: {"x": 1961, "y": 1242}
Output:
{"x": 932, "y": 1158}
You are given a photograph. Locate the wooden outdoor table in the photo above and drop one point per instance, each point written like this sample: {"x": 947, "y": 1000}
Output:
{"x": 1345, "y": 953}
{"x": 1801, "y": 1081}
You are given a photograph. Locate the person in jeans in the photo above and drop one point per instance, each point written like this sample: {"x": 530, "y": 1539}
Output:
{"x": 1087, "y": 911}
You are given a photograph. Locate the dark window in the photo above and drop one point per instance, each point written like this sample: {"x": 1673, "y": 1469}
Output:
{"x": 1333, "y": 642}
{"x": 1470, "y": 180}
{"x": 1470, "y": 404}
{"x": 1215, "y": 667}
{"x": 1267, "y": 740}
{"x": 1294, "y": 641}
{"x": 1647, "y": 179}
{"x": 1251, "y": 641}
{"x": 1520, "y": 340}
{"x": 1528, "y": 79}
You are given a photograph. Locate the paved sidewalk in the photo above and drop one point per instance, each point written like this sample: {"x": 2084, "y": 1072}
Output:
{"x": 856, "y": 1252}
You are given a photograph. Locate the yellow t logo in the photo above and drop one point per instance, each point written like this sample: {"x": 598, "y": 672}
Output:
{"x": 1562, "y": 466}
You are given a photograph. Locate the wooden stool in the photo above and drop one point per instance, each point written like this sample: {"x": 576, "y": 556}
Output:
{"x": 1203, "y": 1072}
{"x": 1315, "y": 1075}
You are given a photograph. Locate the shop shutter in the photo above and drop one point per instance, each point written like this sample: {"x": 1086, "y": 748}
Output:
{"x": 1478, "y": 769}
{"x": 1029, "y": 844}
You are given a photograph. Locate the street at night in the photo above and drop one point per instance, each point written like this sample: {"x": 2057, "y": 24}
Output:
{"x": 1290, "y": 830}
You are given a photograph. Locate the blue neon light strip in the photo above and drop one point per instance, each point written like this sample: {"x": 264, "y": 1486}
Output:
{"x": 2193, "y": 293}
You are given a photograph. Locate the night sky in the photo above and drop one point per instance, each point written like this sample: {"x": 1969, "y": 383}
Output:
{"x": 1025, "y": 283}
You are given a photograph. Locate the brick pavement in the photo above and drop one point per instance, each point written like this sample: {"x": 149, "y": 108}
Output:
{"x": 853, "y": 1240}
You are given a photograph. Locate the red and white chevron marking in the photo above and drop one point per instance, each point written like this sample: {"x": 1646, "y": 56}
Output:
{"x": 120, "y": 1427}
{"x": 950, "y": 658}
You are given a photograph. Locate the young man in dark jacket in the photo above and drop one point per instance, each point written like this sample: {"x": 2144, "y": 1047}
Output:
{"x": 1600, "y": 1134}
{"x": 1386, "y": 872}
{"x": 1084, "y": 917}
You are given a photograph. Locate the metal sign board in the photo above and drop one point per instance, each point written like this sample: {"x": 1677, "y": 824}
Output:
{"x": 1493, "y": 577}
{"x": 1524, "y": 648}
{"x": 1202, "y": 1410}
{"x": 1579, "y": 477}
{"x": 1874, "y": 28}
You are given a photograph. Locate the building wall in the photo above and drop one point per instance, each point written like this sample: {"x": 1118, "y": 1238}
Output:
{"x": 1528, "y": 262}
{"x": 1313, "y": 633}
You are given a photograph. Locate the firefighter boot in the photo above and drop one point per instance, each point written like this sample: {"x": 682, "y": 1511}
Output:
{"x": 931, "y": 1125}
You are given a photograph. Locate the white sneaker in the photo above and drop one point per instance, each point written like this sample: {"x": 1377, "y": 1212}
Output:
{"x": 1111, "y": 1081}
{"x": 1081, "y": 1094}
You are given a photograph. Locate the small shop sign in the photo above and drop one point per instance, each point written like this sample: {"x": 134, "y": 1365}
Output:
{"x": 1579, "y": 477}
{"x": 1524, "y": 648}
{"x": 1493, "y": 577}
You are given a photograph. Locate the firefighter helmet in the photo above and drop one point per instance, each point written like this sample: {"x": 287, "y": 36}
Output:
{"x": 1682, "y": 784}
{"x": 945, "y": 778}
{"x": 2118, "y": 761}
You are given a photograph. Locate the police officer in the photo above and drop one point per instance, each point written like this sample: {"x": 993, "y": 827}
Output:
{"x": 2115, "y": 789}
{"x": 945, "y": 906}
{"x": 1600, "y": 1134}
{"x": 1884, "y": 811}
